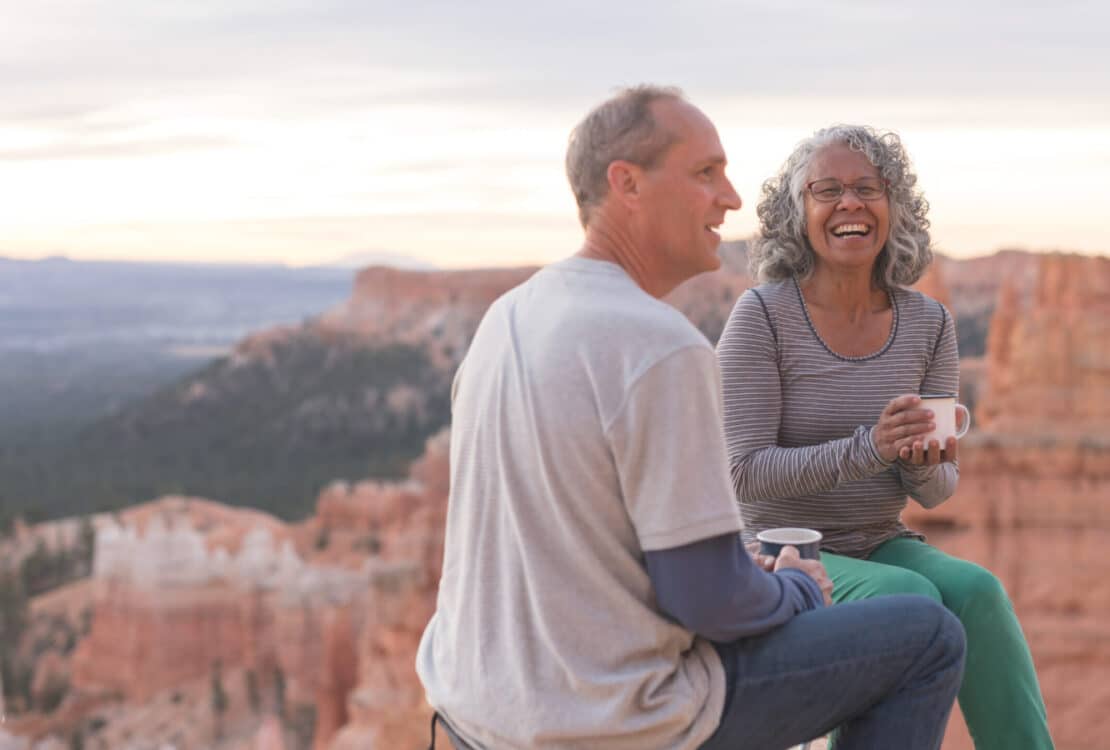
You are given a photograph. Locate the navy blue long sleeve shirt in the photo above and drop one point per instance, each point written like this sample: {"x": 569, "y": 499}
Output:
{"x": 714, "y": 588}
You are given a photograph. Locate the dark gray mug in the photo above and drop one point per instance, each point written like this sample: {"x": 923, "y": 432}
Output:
{"x": 808, "y": 542}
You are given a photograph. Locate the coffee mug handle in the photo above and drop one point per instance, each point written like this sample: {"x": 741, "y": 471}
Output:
{"x": 967, "y": 421}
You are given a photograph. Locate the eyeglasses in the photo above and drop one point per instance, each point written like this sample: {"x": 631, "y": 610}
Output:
{"x": 831, "y": 189}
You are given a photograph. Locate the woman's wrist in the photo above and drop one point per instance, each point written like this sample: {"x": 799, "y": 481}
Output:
{"x": 878, "y": 453}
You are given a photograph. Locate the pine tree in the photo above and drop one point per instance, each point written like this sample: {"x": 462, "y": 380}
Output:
{"x": 219, "y": 698}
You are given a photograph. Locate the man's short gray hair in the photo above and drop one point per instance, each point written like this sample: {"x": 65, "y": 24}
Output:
{"x": 782, "y": 249}
{"x": 621, "y": 128}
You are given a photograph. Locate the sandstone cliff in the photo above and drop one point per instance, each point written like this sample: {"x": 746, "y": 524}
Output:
{"x": 314, "y": 625}
{"x": 436, "y": 309}
{"x": 317, "y": 620}
{"x": 1034, "y": 498}
{"x": 1049, "y": 357}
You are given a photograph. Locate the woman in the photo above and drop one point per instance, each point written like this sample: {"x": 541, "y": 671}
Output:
{"x": 821, "y": 368}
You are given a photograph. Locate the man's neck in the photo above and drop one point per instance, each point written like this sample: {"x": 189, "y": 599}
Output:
{"x": 610, "y": 242}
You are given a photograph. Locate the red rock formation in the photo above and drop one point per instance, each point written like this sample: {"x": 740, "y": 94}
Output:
{"x": 934, "y": 285}
{"x": 999, "y": 514}
{"x": 144, "y": 641}
{"x": 222, "y": 526}
{"x": 184, "y": 584}
{"x": 439, "y": 309}
{"x": 338, "y": 675}
{"x": 1036, "y": 514}
{"x": 387, "y": 708}
{"x": 366, "y": 506}
{"x": 974, "y": 283}
{"x": 269, "y": 736}
{"x": 180, "y": 585}
{"x": 392, "y": 301}
{"x": 1033, "y": 504}
{"x": 1049, "y": 364}
{"x": 51, "y": 676}
{"x": 335, "y": 617}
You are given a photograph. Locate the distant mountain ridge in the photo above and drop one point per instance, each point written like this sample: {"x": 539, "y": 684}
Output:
{"x": 381, "y": 258}
{"x": 352, "y": 392}
{"x": 355, "y": 390}
{"x": 79, "y": 340}
{"x": 57, "y": 304}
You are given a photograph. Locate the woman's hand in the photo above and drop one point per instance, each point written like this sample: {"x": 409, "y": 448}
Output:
{"x": 900, "y": 426}
{"x": 920, "y": 454}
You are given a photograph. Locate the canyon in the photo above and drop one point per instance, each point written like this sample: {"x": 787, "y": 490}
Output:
{"x": 1033, "y": 504}
{"x": 207, "y": 626}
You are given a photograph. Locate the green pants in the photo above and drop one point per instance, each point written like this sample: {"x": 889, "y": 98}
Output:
{"x": 1000, "y": 697}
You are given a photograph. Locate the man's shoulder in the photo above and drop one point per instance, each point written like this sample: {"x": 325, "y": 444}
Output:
{"x": 601, "y": 300}
{"x": 658, "y": 316}
{"x": 651, "y": 329}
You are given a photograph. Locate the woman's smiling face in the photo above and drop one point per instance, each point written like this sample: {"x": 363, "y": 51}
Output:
{"x": 847, "y": 232}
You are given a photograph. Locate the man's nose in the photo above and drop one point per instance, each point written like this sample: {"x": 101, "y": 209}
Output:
{"x": 729, "y": 198}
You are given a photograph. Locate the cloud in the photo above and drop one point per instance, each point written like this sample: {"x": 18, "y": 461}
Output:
{"x": 441, "y": 166}
{"x": 305, "y": 108}
{"x": 295, "y": 55}
{"x": 114, "y": 150}
{"x": 298, "y": 240}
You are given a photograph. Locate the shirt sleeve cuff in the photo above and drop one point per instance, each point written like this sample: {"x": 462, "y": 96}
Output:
{"x": 920, "y": 473}
{"x": 811, "y": 596}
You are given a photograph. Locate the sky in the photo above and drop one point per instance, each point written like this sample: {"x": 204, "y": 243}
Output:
{"x": 298, "y": 132}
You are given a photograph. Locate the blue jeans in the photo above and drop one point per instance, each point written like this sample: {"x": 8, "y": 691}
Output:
{"x": 883, "y": 672}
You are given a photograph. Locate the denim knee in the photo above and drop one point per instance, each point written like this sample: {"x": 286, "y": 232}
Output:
{"x": 950, "y": 640}
{"x": 952, "y": 633}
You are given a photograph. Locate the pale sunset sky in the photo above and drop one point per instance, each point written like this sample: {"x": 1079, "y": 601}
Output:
{"x": 290, "y": 131}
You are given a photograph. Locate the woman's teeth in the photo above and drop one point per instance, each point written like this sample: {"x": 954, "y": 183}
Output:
{"x": 851, "y": 229}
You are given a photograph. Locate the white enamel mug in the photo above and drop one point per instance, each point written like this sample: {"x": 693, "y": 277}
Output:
{"x": 944, "y": 408}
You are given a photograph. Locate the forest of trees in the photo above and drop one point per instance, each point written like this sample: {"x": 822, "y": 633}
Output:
{"x": 40, "y": 571}
{"x": 269, "y": 434}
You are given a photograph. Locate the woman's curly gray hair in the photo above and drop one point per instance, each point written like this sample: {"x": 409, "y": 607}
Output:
{"x": 782, "y": 249}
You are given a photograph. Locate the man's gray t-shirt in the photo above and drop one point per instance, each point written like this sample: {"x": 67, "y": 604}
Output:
{"x": 586, "y": 430}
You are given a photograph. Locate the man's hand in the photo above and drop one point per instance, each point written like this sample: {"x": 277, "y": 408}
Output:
{"x": 788, "y": 558}
{"x": 765, "y": 562}
{"x": 902, "y": 422}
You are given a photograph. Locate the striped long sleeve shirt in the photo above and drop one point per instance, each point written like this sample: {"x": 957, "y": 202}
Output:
{"x": 798, "y": 417}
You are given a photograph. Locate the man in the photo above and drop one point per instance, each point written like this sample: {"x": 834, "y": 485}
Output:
{"x": 595, "y": 593}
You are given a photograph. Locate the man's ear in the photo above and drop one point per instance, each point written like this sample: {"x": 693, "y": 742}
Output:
{"x": 625, "y": 180}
